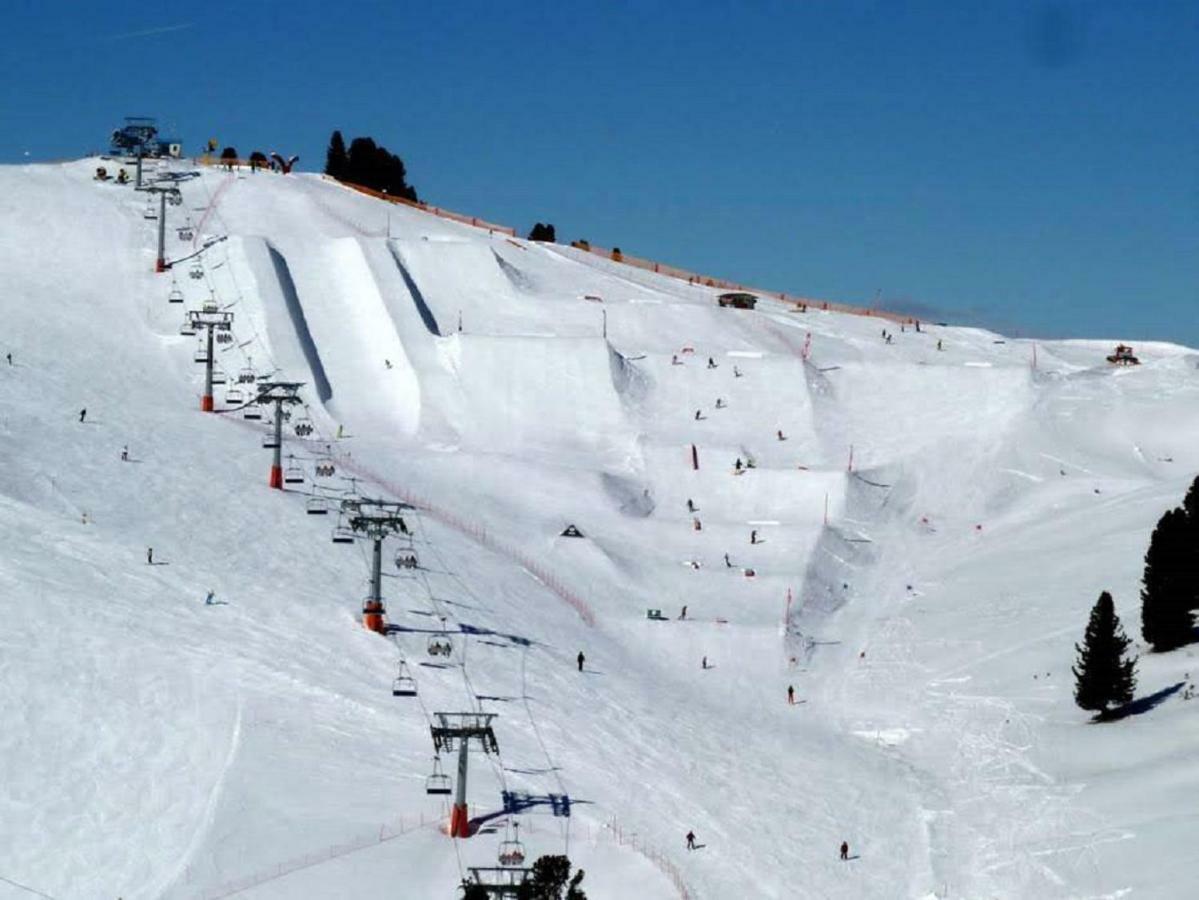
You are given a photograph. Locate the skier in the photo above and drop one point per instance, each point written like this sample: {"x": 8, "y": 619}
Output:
{"x": 125, "y": 453}
{"x": 674, "y": 359}
{"x": 780, "y": 434}
{"x": 683, "y": 614}
{"x": 9, "y": 359}
{"x": 939, "y": 347}
{"x": 208, "y": 599}
{"x": 695, "y": 523}
{"x": 690, "y": 505}
{"x": 690, "y": 840}
{"x": 736, "y": 372}
{"x": 753, "y": 536}
{"x": 149, "y": 556}
{"x": 339, "y": 432}
{"x": 711, "y": 363}
{"x": 720, "y": 404}
{"x": 889, "y": 339}
{"x": 727, "y": 564}
{"x": 83, "y": 414}
{"x": 581, "y": 657}
{"x": 697, "y": 415}
{"x": 845, "y": 850}
{"x": 791, "y": 694}
{"x": 737, "y": 464}
{"x": 917, "y": 326}
{"x": 387, "y": 362}
{"x": 704, "y": 663}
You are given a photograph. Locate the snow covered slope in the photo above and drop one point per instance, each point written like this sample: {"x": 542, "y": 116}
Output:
{"x": 922, "y": 599}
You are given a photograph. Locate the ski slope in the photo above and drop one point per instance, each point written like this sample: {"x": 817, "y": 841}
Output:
{"x": 916, "y": 556}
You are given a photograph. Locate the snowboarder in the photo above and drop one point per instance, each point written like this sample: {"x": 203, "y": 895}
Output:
{"x": 9, "y": 356}
{"x": 208, "y": 599}
{"x": 889, "y": 339}
{"x": 690, "y": 840}
{"x": 753, "y": 536}
{"x": 737, "y": 464}
{"x": 720, "y": 404}
{"x": 736, "y": 372}
{"x": 674, "y": 359}
{"x": 704, "y": 663}
{"x": 125, "y": 453}
{"x": 690, "y": 505}
{"x": 683, "y": 614}
{"x": 83, "y": 414}
{"x": 581, "y": 658}
{"x": 711, "y": 363}
{"x": 791, "y": 694}
{"x": 845, "y": 850}
{"x": 387, "y": 362}
{"x": 780, "y": 434}
{"x": 149, "y": 556}
{"x": 697, "y": 415}
{"x": 727, "y": 564}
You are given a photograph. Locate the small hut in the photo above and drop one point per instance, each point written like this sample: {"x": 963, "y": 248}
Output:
{"x": 737, "y": 300}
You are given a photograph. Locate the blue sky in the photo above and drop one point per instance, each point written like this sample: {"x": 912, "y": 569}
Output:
{"x": 1030, "y": 166}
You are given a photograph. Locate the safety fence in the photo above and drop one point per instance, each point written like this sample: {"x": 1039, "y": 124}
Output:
{"x": 484, "y": 538}
{"x": 615, "y": 832}
{"x": 438, "y": 211}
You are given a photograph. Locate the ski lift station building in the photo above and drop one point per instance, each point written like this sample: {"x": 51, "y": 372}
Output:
{"x": 738, "y": 300}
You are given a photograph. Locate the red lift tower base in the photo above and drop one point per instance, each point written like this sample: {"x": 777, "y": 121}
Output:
{"x": 372, "y": 616}
{"x": 206, "y": 403}
{"x": 277, "y": 477}
{"x": 459, "y": 822}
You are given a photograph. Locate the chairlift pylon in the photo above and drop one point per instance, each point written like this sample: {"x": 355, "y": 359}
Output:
{"x": 438, "y": 783}
{"x": 404, "y": 684}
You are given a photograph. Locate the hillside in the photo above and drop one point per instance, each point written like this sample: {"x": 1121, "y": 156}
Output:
{"x": 921, "y": 591}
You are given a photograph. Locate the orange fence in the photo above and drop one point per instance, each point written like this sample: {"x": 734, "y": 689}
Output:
{"x": 648, "y": 265}
{"x": 425, "y": 207}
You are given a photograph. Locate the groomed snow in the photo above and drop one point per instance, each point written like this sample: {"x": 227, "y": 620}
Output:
{"x": 923, "y": 601}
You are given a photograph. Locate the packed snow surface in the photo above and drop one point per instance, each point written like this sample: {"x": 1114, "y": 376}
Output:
{"x": 914, "y": 538}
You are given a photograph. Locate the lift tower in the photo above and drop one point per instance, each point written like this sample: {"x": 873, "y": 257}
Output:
{"x": 211, "y": 318}
{"x": 166, "y": 194}
{"x": 280, "y": 393}
{"x": 374, "y": 519}
{"x": 456, "y": 731}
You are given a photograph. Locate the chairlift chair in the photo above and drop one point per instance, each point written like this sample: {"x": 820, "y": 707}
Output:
{"x": 440, "y": 645}
{"x": 317, "y": 506}
{"x": 325, "y": 470}
{"x": 224, "y": 337}
{"x": 406, "y": 559}
{"x": 293, "y": 474}
{"x": 304, "y": 426}
{"x": 176, "y": 295}
{"x": 187, "y": 329}
{"x": 343, "y": 534}
{"x": 269, "y": 442}
{"x": 438, "y": 783}
{"x": 210, "y": 305}
{"x": 201, "y": 354}
{"x": 246, "y": 376}
{"x": 234, "y": 397}
{"x": 252, "y": 413}
{"x": 404, "y": 684}
{"x": 512, "y": 851}
{"x": 218, "y": 377}
{"x": 196, "y": 271}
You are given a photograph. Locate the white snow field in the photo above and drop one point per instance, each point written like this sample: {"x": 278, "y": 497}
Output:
{"x": 153, "y": 746}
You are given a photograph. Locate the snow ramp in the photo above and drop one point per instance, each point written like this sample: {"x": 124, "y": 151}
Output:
{"x": 522, "y": 393}
{"x": 461, "y": 278}
{"x": 350, "y": 322}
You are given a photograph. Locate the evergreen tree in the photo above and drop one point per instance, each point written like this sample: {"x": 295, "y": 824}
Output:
{"x": 258, "y": 160}
{"x": 544, "y": 233}
{"x": 374, "y": 167}
{"x": 549, "y": 879}
{"x": 336, "y": 161}
{"x": 1190, "y": 552}
{"x": 1103, "y": 678}
{"x": 472, "y": 891}
{"x": 1167, "y": 586}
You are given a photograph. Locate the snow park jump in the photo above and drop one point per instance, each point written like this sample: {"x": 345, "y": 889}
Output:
{"x": 548, "y": 630}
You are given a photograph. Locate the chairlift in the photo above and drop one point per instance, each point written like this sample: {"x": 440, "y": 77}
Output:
{"x": 438, "y": 783}
{"x": 512, "y": 851}
{"x": 187, "y": 329}
{"x": 175, "y": 198}
{"x": 210, "y": 305}
{"x": 404, "y": 684}
{"x": 293, "y": 474}
{"x": 252, "y": 413}
{"x": 304, "y": 426}
{"x": 234, "y": 397}
{"x": 218, "y": 377}
{"x": 343, "y": 534}
{"x": 176, "y": 295}
{"x": 246, "y": 376}
{"x": 440, "y": 643}
{"x": 201, "y": 354}
{"x": 317, "y": 506}
{"x": 196, "y": 271}
{"x": 224, "y": 337}
{"x": 268, "y": 441}
{"x": 325, "y": 470}
{"x": 185, "y": 231}
{"x": 406, "y": 559}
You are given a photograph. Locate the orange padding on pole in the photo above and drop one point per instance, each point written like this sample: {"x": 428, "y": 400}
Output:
{"x": 277, "y": 477}
{"x": 459, "y": 822}
{"x": 206, "y": 403}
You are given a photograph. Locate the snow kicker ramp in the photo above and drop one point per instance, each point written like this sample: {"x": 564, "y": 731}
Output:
{"x": 461, "y": 280}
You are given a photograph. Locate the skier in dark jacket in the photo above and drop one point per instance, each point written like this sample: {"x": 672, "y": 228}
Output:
{"x": 690, "y": 840}
{"x": 845, "y": 850}
{"x": 581, "y": 657}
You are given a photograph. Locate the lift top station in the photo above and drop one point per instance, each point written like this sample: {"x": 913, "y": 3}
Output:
{"x": 139, "y": 137}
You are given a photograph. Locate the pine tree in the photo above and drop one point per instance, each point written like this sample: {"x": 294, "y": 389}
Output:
{"x": 472, "y": 891}
{"x": 544, "y": 233}
{"x": 1167, "y": 586}
{"x": 1103, "y": 678}
{"x": 336, "y": 160}
{"x": 549, "y": 878}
